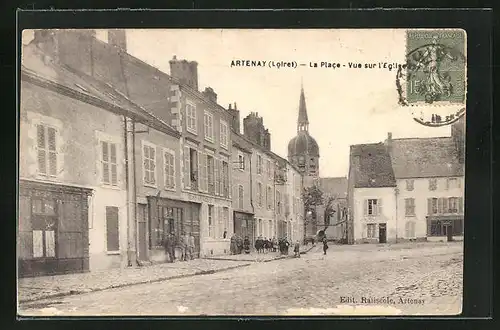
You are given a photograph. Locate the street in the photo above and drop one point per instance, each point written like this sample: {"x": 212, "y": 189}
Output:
{"x": 418, "y": 279}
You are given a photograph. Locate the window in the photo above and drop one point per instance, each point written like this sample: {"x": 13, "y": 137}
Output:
{"x": 225, "y": 179}
{"x": 432, "y": 184}
{"x": 44, "y": 222}
{"x": 47, "y": 150}
{"x": 241, "y": 162}
{"x": 225, "y": 216}
{"x": 269, "y": 197}
{"x": 259, "y": 194}
{"x": 409, "y": 206}
{"x": 112, "y": 229}
{"x": 452, "y": 183}
{"x": 259, "y": 164}
{"x": 223, "y": 134}
{"x": 410, "y": 229}
{"x": 109, "y": 163}
{"x": 211, "y": 173}
{"x": 373, "y": 207}
{"x": 211, "y": 224}
{"x": 453, "y": 205}
{"x": 169, "y": 168}
{"x": 432, "y": 206}
{"x": 240, "y": 197}
{"x": 209, "y": 126}
{"x": 149, "y": 164}
{"x": 269, "y": 169}
{"x": 191, "y": 118}
{"x": 278, "y": 202}
{"x": 190, "y": 168}
{"x": 410, "y": 184}
{"x": 371, "y": 230}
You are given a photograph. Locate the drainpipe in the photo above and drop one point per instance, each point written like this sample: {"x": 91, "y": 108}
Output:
{"x": 127, "y": 185}
{"x": 135, "y": 190}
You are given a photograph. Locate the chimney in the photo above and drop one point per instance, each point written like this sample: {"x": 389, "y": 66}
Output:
{"x": 185, "y": 71}
{"x": 210, "y": 94}
{"x": 118, "y": 38}
{"x": 235, "y": 113}
{"x": 388, "y": 142}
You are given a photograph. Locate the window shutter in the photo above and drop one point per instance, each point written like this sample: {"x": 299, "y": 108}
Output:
{"x": 105, "y": 162}
{"x": 187, "y": 168}
{"x": 379, "y": 207}
{"x": 52, "y": 151}
{"x": 145, "y": 157}
{"x": 460, "y": 205}
{"x": 217, "y": 177}
{"x": 229, "y": 181}
{"x": 440, "y": 206}
{"x": 366, "y": 207}
{"x": 153, "y": 165}
{"x": 199, "y": 171}
{"x": 429, "y": 205}
{"x": 114, "y": 169}
{"x": 221, "y": 178}
{"x": 42, "y": 165}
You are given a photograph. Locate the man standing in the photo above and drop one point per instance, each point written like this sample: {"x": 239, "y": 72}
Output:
{"x": 191, "y": 246}
{"x": 185, "y": 247}
{"x": 325, "y": 245}
{"x": 169, "y": 247}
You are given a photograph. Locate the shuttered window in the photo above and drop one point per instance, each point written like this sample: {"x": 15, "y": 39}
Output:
{"x": 410, "y": 229}
{"x": 109, "y": 163}
{"x": 112, "y": 229}
{"x": 47, "y": 150}
{"x": 409, "y": 206}
{"x": 211, "y": 221}
{"x": 211, "y": 174}
{"x": 187, "y": 168}
{"x": 169, "y": 169}
{"x": 149, "y": 164}
{"x": 225, "y": 179}
{"x": 240, "y": 197}
{"x": 373, "y": 207}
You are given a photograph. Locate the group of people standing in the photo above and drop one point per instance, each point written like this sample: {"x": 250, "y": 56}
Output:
{"x": 185, "y": 242}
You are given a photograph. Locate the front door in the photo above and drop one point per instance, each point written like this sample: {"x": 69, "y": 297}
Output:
{"x": 382, "y": 233}
{"x": 142, "y": 232}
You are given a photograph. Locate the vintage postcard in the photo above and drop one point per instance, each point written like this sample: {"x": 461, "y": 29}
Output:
{"x": 241, "y": 172}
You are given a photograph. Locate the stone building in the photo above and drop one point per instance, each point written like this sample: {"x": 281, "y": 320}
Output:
{"x": 76, "y": 187}
{"x": 203, "y": 203}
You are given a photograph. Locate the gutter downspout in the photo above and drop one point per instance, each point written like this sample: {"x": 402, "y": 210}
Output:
{"x": 127, "y": 185}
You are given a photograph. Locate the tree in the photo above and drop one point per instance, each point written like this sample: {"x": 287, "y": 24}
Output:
{"x": 311, "y": 197}
{"x": 329, "y": 210}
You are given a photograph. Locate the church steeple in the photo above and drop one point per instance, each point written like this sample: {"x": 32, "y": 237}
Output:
{"x": 302, "y": 122}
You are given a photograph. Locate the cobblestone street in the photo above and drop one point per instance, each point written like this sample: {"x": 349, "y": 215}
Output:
{"x": 406, "y": 279}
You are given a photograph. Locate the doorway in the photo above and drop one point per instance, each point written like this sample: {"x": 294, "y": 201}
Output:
{"x": 382, "y": 233}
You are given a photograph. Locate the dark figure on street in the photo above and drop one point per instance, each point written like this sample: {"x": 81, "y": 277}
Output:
{"x": 169, "y": 245}
{"x": 239, "y": 244}
{"x": 191, "y": 246}
{"x": 185, "y": 247}
{"x": 325, "y": 245}
{"x": 283, "y": 245}
{"x": 246, "y": 245}
{"x": 296, "y": 249}
{"x": 274, "y": 243}
{"x": 259, "y": 244}
{"x": 233, "y": 246}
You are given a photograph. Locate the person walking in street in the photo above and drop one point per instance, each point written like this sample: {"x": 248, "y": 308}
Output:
{"x": 296, "y": 249}
{"x": 185, "y": 247}
{"x": 325, "y": 245}
{"x": 169, "y": 247}
{"x": 233, "y": 246}
{"x": 246, "y": 245}
{"x": 191, "y": 246}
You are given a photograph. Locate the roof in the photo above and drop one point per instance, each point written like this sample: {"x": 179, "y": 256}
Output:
{"x": 372, "y": 166}
{"x": 334, "y": 186}
{"x": 37, "y": 64}
{"x": 303, "y": 144}
{"x": 425, "y": 158}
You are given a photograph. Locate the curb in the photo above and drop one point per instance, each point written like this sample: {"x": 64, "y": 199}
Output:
{"x": 74, "y": 292}
{"x": 279, "y": 257}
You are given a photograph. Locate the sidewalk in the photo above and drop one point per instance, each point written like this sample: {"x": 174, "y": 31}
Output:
{"x": 36, "y": 288}
{"x": 261, "y": 257}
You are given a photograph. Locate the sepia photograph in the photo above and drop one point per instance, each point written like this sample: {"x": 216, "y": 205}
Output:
{"x": 234, "y": 172}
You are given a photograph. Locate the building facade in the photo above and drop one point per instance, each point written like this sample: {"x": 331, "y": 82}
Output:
{"x": 75, "y": 198}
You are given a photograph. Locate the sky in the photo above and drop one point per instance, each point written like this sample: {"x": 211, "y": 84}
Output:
{"x": 345, "y": 106}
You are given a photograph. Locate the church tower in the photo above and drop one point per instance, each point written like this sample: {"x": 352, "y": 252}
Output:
{"x": 303, "y": 151}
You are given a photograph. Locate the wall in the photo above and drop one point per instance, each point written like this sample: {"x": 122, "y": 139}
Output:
{"x": 388, "y": 213}
{"x": 262, "y": 212}
{"x": 421, "y": 193}
{"x": 80, "y": 127}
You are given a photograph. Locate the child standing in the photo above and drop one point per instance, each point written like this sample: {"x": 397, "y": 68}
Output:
{"x": 296, "y": 249}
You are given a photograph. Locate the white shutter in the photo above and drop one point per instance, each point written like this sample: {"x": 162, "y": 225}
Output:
{"x": 113, "y": 163}
{"x": 229, "y": 181}
{"x": 199, "y": 172}
{"x": 221, "y": 178}
{"x": 379, "y": 207}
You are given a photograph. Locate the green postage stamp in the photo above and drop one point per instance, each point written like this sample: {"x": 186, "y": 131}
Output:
{"x": 436, "y": 71}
